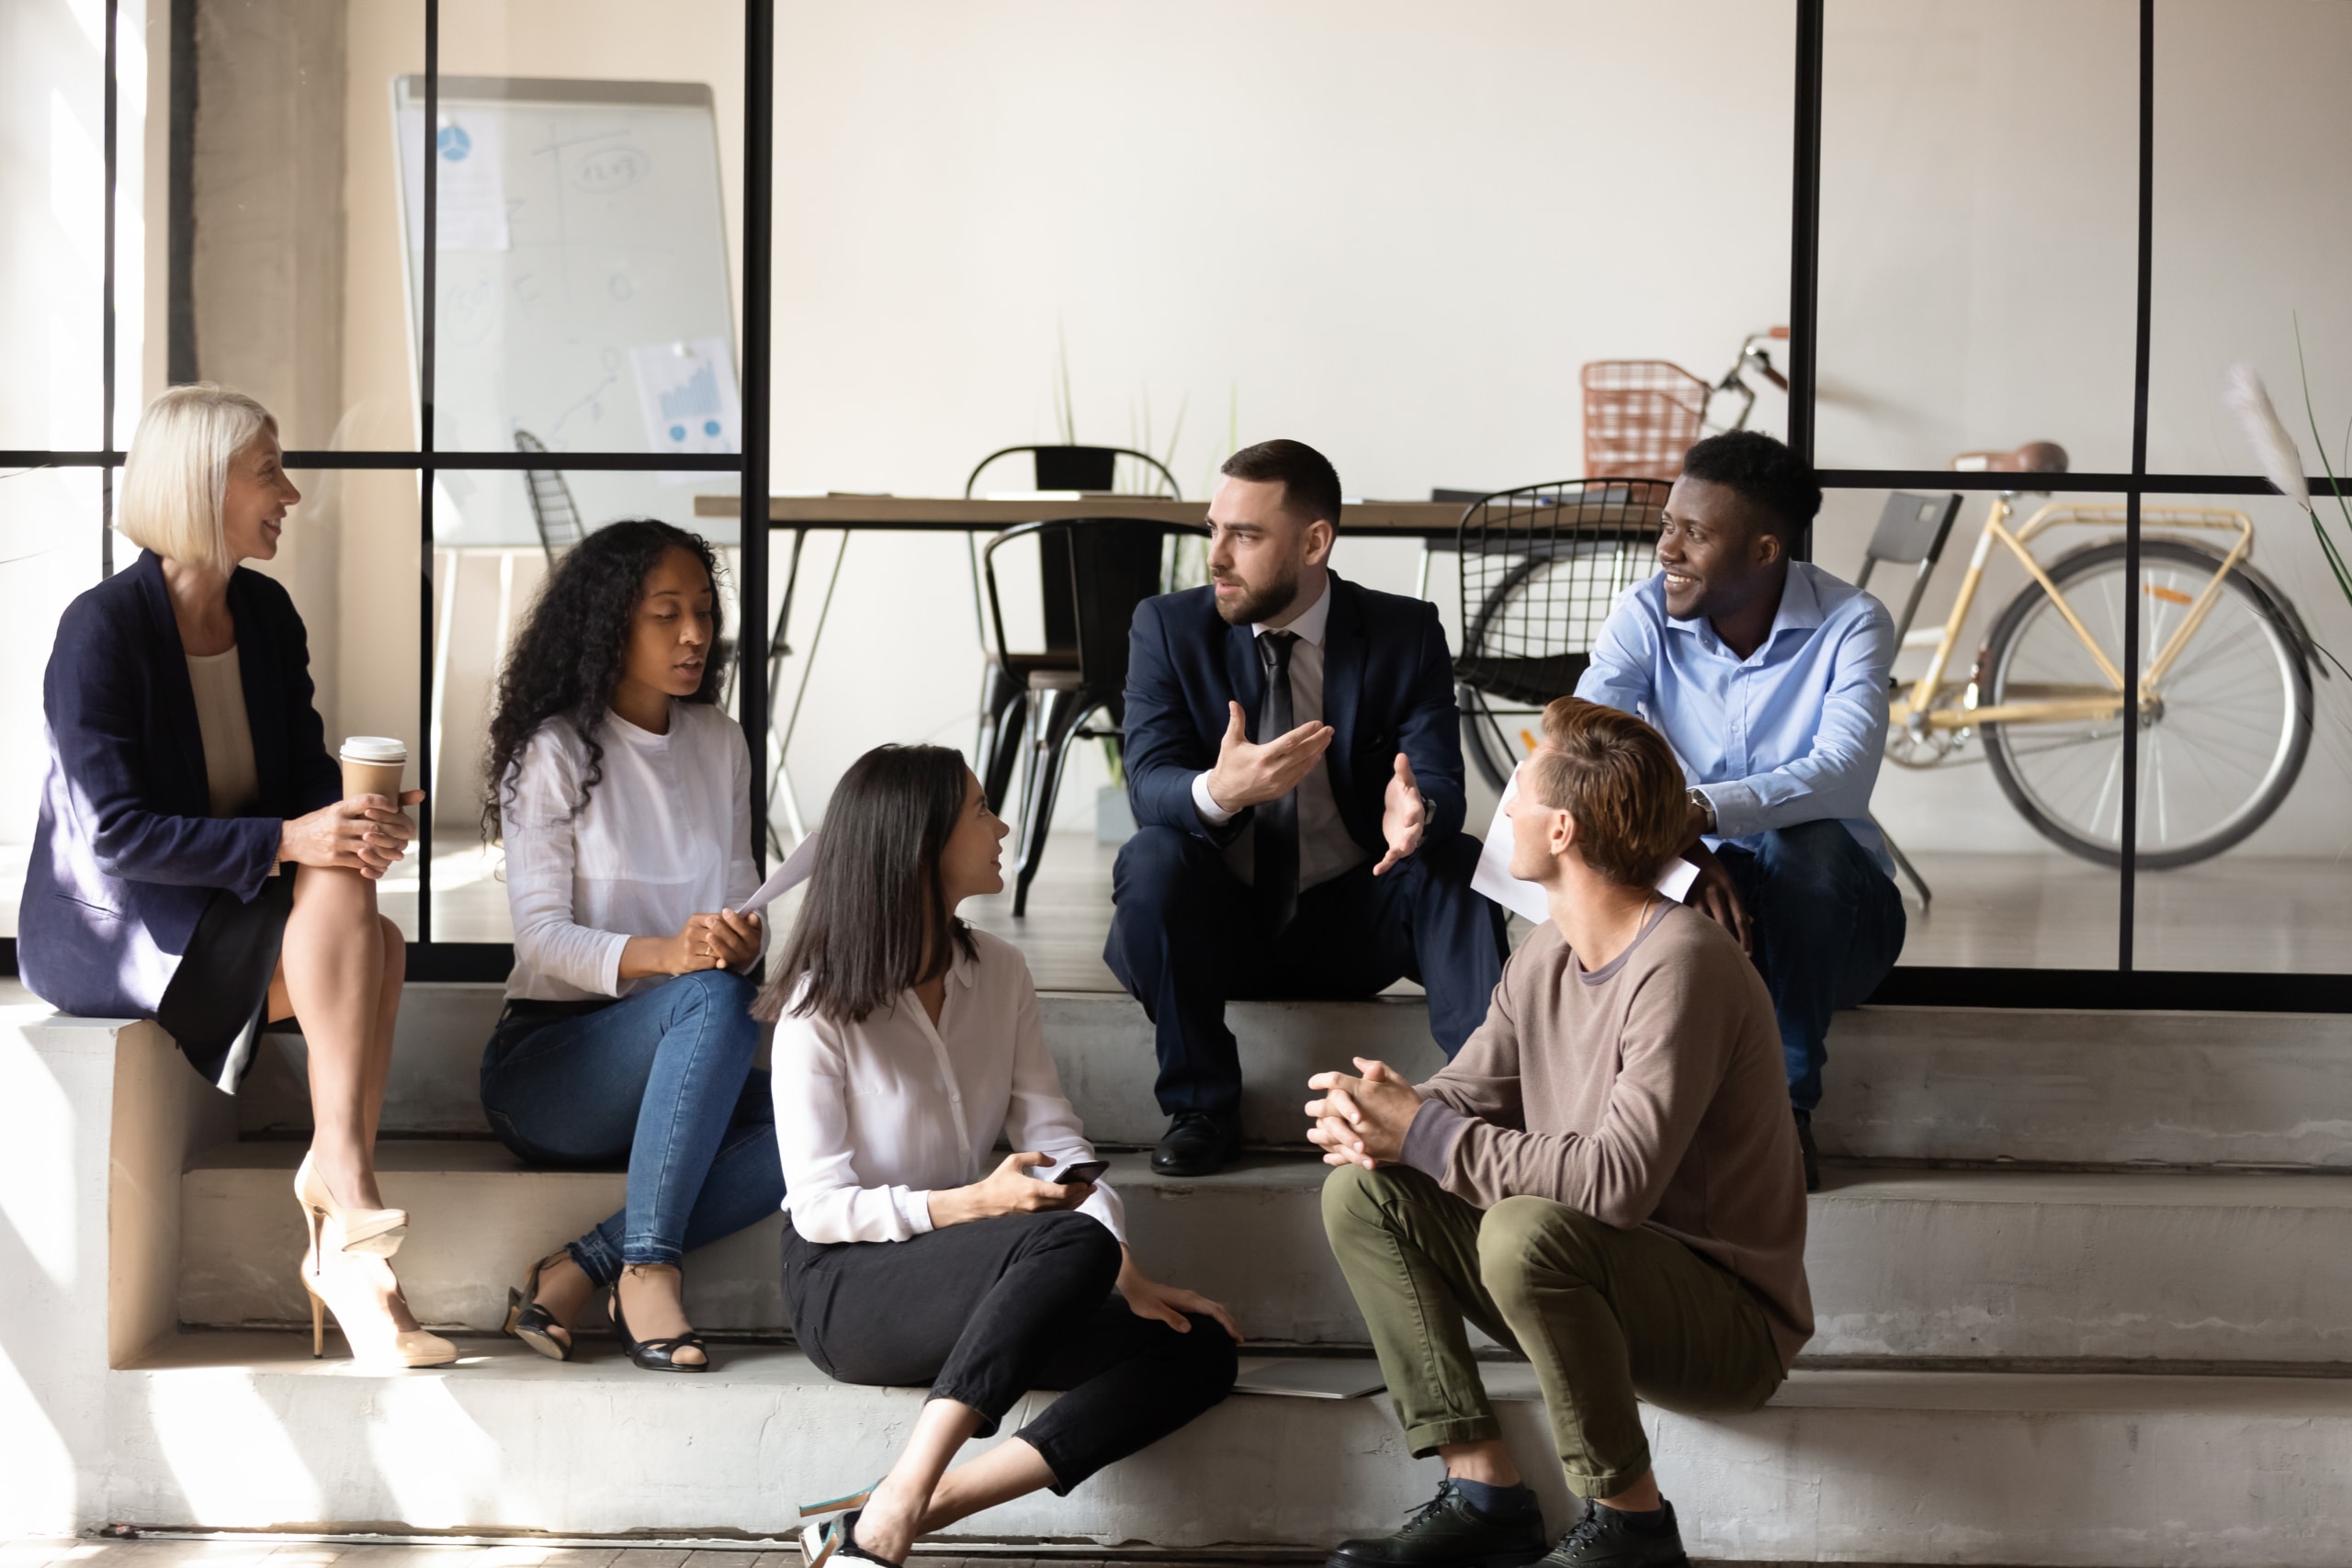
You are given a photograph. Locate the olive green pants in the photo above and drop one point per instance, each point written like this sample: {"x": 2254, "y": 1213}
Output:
{"x": 1604, "y": 1314}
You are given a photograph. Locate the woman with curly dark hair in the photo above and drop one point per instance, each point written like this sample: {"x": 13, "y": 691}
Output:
{"x": 622, "y": 791}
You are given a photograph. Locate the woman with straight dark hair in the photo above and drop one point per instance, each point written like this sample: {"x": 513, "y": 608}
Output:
{"x": 623, "y": 792}
{"x": 907, "y": 1042}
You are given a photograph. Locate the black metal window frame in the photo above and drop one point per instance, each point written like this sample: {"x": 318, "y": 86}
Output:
{"x": 2125, "y": 985}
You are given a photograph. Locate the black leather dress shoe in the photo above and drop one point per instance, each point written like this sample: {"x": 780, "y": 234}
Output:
{"x": 1607, "y": 1539}
{"x": 1447, "y": 1532}
{"x": 1812, "y": 1155}
{"x": 1198, "y": 1143}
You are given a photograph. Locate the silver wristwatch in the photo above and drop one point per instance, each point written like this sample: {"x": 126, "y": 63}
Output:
{"x": 1698, "y": 798}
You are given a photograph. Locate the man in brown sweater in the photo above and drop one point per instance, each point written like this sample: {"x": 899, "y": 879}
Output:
{"x": 1606, "y": 1176}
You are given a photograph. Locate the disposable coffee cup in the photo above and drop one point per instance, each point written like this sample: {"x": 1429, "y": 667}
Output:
{"x": 373, "y": 764}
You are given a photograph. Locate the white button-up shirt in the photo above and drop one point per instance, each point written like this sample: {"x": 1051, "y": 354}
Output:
{"x": 872, "y": 1118}
{"x": 1324, "y": 847}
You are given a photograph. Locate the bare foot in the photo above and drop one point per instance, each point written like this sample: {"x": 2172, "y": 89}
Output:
{"x": 886, "y": 1526}
{"x": 649, "y": 1299}
{"x": 350, "y": 1177}
{"x": 564, "y": 1288}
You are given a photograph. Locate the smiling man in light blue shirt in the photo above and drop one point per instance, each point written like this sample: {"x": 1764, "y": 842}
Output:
{"x": 1768, "y": 676}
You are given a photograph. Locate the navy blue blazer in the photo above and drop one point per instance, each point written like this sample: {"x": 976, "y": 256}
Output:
{"x": 127, "y": 853}
{"x": 1387, "y": 687}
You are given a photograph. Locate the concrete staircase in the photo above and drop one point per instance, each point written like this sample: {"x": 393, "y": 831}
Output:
{"x": 2084, "y": 1282}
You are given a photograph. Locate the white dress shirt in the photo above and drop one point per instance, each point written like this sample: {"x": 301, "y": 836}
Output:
{"x": 872, "y": 1118}
{"x": 666, "y": 834}
{"x": 1325, "y": 849}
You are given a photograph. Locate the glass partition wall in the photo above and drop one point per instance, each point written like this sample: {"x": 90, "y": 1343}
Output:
{"x": 544, "y": 302}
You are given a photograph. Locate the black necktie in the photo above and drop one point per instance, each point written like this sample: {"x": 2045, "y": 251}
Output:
{"x": 1277, "y": 822}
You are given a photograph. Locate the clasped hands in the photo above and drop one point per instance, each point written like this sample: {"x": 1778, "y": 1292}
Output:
{"x": 368, "y": 833}
{"x": 1362, "y": 1121}
{"x": 1248, "y": 773}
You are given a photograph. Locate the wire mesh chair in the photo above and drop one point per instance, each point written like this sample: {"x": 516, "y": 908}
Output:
{"x": 553, "y": 510}
{"x": 1005, "y": 681}
{"x": 1542, "y": 566}
{"x": 1640, "y": 416}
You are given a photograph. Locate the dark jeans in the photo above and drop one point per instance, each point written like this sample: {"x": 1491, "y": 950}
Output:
{"x": 1187, "y": 934}
{"x": 662, "y": 1080}
{"x": 985, "y": 1311}
{"x": 1827, "y": 924}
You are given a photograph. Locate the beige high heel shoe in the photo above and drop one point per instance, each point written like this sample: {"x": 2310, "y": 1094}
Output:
{"x": 376, "y": 1231}
{"x": 330, "y": 1276}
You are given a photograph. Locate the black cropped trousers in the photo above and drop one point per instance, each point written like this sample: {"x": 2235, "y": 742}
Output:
{"x": 985, "y": 1311}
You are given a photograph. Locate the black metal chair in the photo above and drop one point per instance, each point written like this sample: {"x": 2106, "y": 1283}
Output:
{"x": 1912, "y": 530}
{"x": 1540, "y": 568}
{"x": 1100, "y": 569}
{"x": 553, "y": 510}
{"x": 1004, "y": 682}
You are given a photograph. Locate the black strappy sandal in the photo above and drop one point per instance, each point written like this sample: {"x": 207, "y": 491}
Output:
{"x": 528, "y": 1320}
{"x": 821, "y": 1541}
{"x": 657, "y": 1355}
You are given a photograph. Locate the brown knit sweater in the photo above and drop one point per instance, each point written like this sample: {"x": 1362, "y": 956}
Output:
{"x": 1649, "y": 1092}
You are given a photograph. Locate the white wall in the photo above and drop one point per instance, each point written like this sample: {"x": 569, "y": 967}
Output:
{"x": 1392, "y": 231}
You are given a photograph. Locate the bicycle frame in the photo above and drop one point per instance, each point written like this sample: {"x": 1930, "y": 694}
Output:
{"x": 1919, "y": 712}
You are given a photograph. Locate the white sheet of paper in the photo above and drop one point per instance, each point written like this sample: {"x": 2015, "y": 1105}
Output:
{"x": 1494, "y": 879}
{"x": 790, "y": 874}
{"x": 470, "y": 166}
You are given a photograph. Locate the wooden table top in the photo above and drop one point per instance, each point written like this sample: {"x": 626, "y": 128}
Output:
{"x": 1411, "y": 519}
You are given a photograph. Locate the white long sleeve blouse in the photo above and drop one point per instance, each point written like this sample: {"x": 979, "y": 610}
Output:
{"x": 872, "y": 1118}
{"x": 666, "y": 834}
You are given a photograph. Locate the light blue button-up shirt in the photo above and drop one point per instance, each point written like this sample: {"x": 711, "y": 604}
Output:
{"x": 1793, "y": 733}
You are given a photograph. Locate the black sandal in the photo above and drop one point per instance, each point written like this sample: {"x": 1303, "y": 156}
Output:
{"x": 657, "y": 1355}
{"x": 821, "y": 1541}
{"x": 528, "y": 1320}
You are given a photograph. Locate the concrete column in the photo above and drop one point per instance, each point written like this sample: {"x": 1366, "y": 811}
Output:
{"x": 269, "y": 255}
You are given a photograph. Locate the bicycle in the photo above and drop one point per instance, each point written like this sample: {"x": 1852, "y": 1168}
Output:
{"x": 2225, "y": 704}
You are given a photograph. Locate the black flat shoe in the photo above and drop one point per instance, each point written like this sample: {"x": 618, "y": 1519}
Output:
{"x": 658, "y": 1355}
{"x": 1447, "y": 1532}
{"x": 1198, "y": 1143}
{"x": 528, "y": 1320}
{"x": 1607, "y": 1539}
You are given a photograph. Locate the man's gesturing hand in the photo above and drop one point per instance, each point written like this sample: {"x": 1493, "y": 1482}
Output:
{"x": 1404, "y": 816}
{"x": 1362, "y": 1121}
{"x": 1248, "y": 776}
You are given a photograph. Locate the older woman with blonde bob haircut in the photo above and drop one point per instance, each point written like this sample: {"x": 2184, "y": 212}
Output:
{"x": 196, "y": 862}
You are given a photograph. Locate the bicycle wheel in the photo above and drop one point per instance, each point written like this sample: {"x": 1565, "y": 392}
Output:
{"x": 2220, "y": 741}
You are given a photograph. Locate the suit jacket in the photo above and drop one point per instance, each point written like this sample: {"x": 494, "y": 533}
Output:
{"x": 127, "y": 853}
{"x": 1387, "y": 687}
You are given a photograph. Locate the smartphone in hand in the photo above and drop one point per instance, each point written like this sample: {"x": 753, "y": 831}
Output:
{"x": 1075, "y": 1173}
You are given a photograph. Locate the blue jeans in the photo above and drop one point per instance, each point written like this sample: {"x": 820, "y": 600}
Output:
{"x": 1825, "y": 923}
{"x": 663, "y": 1081}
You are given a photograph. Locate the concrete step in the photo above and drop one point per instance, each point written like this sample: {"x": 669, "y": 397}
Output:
{"x": 2200, "y": 1266}
{"x": 245, "y": 1431}
{"x": 1957, "y": 1084}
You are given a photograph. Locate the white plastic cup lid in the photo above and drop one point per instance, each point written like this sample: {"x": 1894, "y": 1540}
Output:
{"x": 375, "y": 748}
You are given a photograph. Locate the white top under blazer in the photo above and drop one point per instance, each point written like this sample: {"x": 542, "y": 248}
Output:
{"x": 666, "y": 834}
{"x": 872, "y": 1118}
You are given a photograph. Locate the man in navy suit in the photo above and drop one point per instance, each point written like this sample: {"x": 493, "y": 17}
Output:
{"x": 1293, "y": 758}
